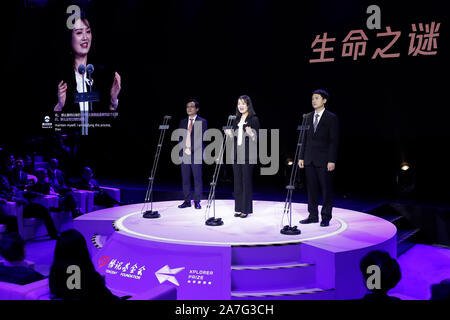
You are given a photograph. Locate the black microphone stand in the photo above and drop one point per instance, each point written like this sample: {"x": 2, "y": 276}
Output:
{"x": 213, "y": 221}
{"x": 289, "y": 229}
{"x": 90, "y": 70}
{"x": 84, "y": 128}
{"x": 147, "y": 212}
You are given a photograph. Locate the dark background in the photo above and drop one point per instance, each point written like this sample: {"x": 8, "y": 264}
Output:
{"x": 391, "y": 110}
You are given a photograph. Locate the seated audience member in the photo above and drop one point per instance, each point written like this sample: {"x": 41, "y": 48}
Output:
{"x": 44, "y": 187}
{"x": 30, "y": 210}
{"x": 86, "y": 182}
{"x": 15, "y": 269}
{"x": 441, "y": 291}
{"x": 389, "y": 277}
{"x": 19, "y": 178}
{"x": 56, "y": 177}
{"x": 7, "y": 168}
{"x": 9, "y": 221}
{"x": 41, "y": 187}
{"x": 71, "y": 249}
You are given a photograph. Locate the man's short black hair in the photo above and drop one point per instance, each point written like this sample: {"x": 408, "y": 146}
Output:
{"x": 196, "y": 103}
{"x": 12, "y": 247}
{"x": 322, "y": 93}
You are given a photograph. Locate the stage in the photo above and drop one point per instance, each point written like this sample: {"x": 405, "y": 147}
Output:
{"x": 242, "y": 259}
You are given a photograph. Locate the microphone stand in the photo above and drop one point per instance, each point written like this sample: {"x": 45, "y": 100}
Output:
{"x": 147, "y": 210}
{"x": 84, "y": 129}
{"x": 213, "y": 221}
{"x": 90, "y": 89}
{"x": 289, "y": 229}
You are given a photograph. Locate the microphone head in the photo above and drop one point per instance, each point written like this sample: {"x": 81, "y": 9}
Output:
{"x": 90, "y": 68}
{"x": 81, "y": 69}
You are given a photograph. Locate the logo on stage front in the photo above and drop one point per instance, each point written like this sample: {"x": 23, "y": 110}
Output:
{"x": 103, "y": 261}
{"x": 124, "y": 269}
{"x": 167, "y": 274}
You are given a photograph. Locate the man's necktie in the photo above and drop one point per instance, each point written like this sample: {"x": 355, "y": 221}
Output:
{"x": 188, "y": 137}
{"x": 316, "y": 122}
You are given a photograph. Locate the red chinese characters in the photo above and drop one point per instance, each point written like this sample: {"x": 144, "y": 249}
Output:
{"x": 423, "y": 41}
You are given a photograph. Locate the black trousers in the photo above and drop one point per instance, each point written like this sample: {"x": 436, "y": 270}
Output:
{"x": 101, "y": 198}
{"x": 243, "y": 187}
{"x": 34, "y": 210}
{"x": 319, "y": 179}
{"x": 31, "y": 210}
{"x": 188, "y": 170}
{"x": 67, "y": 201}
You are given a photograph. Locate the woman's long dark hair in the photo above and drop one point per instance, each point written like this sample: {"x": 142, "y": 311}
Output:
{"x": 248, "y": 102}
{"x": 66, "y": 50}
{"x": 71, "y": 249}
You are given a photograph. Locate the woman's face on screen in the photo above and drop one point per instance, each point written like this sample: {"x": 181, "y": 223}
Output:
{"x": 81, "y": 37}
{"x": 242, "y": 106}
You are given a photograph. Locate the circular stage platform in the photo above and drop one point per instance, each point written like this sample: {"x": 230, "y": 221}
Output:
{"x": 187, "y": 226}
{"x": 243, "y": 258}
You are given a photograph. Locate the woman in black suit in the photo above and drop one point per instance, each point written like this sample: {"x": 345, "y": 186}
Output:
{"x": 245, "y": 134}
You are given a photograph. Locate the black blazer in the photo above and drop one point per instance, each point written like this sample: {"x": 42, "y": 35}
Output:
{"x": 196, "y": 146}
{"x": 321, "y": 147}
{"x": 253, "y": 122}
{"x": 103, "y": 80}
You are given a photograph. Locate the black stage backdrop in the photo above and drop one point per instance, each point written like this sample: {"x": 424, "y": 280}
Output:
{"x": 391, "y": 110}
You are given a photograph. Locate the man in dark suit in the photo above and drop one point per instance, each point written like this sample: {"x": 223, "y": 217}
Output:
{"x": 192, "y": 154}
{"x": 19, "y": 177}
{"x": 87, "y": 182}
{"x": 318, "y": 156}
{"x": 30, "y": 209}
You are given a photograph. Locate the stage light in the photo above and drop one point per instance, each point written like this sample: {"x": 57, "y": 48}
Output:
{"x": 405, "y": 179}
{"x": 404, "y": 166}
{"x": 289, "y": 162}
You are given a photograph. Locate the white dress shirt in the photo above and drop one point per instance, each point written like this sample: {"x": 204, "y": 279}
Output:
{"x": 189, "y": 122}
{"x": 84, "y": 106}
{"x": 320, "y": 116}
{"x": 241, "y": 130}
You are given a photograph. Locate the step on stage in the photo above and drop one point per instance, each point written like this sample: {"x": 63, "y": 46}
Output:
{"x": 242, "y": 259}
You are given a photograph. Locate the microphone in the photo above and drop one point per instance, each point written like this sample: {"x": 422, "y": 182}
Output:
{"x": 81, "y": 69}
{"x": 90, "y": 69}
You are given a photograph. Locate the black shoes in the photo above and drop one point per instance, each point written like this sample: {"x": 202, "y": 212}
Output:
{"x": 309, "y": 220}
{"x": 242, "y": 215}
{"x": 325, "y": 223}
{"x": 185, "y": 205}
